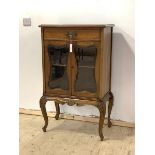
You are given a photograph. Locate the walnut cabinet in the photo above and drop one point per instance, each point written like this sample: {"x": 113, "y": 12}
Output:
{"x": 77, "y": 68}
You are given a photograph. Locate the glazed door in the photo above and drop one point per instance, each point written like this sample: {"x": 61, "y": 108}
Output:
{"x": 57, "y": 68}
{"x": 85, "y": 74}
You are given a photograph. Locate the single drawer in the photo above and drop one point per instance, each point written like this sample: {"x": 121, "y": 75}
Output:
{"x": 77, "y": 34}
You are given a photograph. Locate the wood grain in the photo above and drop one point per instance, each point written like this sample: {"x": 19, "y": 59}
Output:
{"x": 105, "y": 59}
{"x": 80, "y": 33}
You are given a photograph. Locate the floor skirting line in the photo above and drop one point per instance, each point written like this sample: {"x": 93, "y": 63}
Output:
{"x": 76, "y": 117}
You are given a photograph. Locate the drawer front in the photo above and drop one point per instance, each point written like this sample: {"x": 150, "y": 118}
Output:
{"x": 78, "y": 34}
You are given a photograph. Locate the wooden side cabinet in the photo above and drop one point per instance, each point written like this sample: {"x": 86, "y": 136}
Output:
{"x": 77, "y": 68}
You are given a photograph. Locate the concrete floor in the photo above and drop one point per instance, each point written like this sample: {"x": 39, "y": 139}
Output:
{"x": 68, "y": 137}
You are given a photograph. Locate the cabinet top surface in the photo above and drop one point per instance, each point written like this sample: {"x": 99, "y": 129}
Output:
{"x": 82, "y": 25}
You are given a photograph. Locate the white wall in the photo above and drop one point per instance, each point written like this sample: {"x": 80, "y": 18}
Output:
{"x": 120, "y": 13}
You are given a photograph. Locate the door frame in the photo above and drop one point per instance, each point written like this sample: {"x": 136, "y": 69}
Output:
{"x": 55, "y": 91}
{"x": 74, "y": 69}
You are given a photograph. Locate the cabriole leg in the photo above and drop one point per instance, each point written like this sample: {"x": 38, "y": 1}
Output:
{"x": 110, "y": 108}
{"x": 57, "y": 110}
{"x": 43, "y": 110}
{"x": 102, "y": 110}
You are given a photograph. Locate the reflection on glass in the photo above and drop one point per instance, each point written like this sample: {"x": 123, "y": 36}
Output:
{"x": 58, "y": 67}
{"x": 86, "y": 59}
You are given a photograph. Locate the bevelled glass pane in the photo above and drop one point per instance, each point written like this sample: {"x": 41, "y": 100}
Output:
{"x": 58, "y": 67}
{"x": 86, "y": 60}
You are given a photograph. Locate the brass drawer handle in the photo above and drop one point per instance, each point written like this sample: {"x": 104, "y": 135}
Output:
{"x": 71, "y": 34}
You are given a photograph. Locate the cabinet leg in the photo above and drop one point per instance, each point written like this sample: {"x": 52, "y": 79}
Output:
{"x": 102, "y": 109}
{"x": 43, "y": 110}
{"x": 57, "y": 110}
{"x": 110, "y": 108}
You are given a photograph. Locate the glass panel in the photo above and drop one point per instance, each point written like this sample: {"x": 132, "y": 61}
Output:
{"x": 86, "y": 59}
{"x": 58, "y": 67}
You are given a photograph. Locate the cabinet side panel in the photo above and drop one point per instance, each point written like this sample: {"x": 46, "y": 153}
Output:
{"x": 105, "y": 69}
